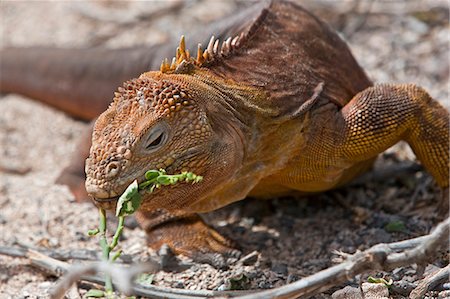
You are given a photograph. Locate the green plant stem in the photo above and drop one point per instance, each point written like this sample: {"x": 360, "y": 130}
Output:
{"x": 116, "y": 255}
{"x": 145, "y": 184}
{"x": 116, "y": 236}
{"x": 127, "y": 204}
{"x": 106, "y": 249}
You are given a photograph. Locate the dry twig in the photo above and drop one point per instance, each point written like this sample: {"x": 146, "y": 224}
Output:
{"x": 60, "y": 254}
{"x": 383, "y": 257}
{"x": 379, "y": 257}
{"x": 122, "y": 276}
{"x": 430, "y": 282}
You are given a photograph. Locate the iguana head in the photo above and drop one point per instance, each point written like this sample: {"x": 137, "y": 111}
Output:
{"x": 177, "y": 121}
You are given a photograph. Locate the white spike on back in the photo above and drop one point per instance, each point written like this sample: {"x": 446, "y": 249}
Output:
{"x": 216, "y": 47}
{"x": 212, "y": 52}
{"x": 209, "y": 49}
{"x": 226, "y": 47}
{"x": 234, "y": 41}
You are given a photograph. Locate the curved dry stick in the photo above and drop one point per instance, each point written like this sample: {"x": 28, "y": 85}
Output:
{"x": 379, "y": 257}
{"x": 60, "y": 254}
{"x": 123, "y": 277}
{"x": 430, "y": 282}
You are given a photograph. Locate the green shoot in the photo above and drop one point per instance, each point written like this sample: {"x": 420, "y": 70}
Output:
{"x": 396, "y": 226}
{"x": 93, "y": 293}
{"x": 380, "y": 280}
{"x": 127, "y": 204}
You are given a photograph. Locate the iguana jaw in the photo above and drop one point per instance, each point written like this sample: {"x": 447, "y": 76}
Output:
{"x": 203, "y": 136}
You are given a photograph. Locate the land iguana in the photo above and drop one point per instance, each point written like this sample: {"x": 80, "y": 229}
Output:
{"x": 80, "y": 81}
{"x": 280, "y": 107}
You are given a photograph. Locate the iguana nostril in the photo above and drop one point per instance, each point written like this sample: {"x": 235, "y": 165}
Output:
{"x": 112, "y": 169}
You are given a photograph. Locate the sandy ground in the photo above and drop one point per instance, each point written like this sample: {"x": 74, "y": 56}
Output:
{"x": 398, "y": 42}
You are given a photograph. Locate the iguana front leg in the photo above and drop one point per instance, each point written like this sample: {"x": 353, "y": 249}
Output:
{"x": 380, "y": 116}
{"x": 186, "y": 234}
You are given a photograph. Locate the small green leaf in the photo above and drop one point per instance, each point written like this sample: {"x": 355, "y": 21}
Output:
{"x": 395, "y": 226}
{"x": 151, "y": 174}
{"x": 380, "y": 280}
{"x": 190, "y": 176}
{"x": 164, "y": 180}
{"x": 93, "y": 232}
{"x": 129, "y": 201}
{"x": 93, "y": 293}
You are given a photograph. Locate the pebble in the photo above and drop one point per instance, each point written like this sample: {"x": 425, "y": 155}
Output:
{"x": 370, "y": 290}
{"x": 280, "y": 268}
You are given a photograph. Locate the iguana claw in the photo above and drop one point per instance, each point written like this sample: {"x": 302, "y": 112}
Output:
{"x": 189, "y": 235}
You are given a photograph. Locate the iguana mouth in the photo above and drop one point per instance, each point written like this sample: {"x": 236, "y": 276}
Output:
{"x": 109, "y": 199}
{"x": 105, "y": 196}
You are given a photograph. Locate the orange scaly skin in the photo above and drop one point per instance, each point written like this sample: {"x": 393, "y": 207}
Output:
{"x": 284, "y": 108}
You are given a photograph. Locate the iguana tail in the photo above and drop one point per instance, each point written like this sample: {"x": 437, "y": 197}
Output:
{"x": 80, "y": 82}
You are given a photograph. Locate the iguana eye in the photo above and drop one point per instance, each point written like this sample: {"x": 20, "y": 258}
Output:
{"x": 156, "y": 142}
{"x": 156, "y": 138}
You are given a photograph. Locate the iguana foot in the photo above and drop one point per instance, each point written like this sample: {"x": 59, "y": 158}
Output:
{"x": 188, "y": 235}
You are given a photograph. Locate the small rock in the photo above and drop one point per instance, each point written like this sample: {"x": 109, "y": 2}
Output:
{"x": 223, "y": 287}
{"x": 264, "y": 285}
{"x": 179, "y": 285}
{"x": 347, "y": 293}
{"x": 247, "y": 222}
{"x": 371, "y": 291}
{"x": 80, "y": 236}
{"x": 292, "y": 278}
{"x": 280, "y": 269}
{"x": 402, "y": 287}
{"x": 249, "y": 259}
{"x": 416, "y": 25}
{"x": 131, "y": 222}
{"x": 45, "y": 285}
{"x": 238, "y": 282}
{"x": 375, "y": 291}
{"x": 168, "y": 260}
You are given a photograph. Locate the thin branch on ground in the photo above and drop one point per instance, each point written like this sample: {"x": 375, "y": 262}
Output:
{"x": 430, "y": 282}
{"x": 123, "y": 277}
{"x": 379, "y": 257}
{"x": 61, "y": 254}
{"x": 383, "y": 257}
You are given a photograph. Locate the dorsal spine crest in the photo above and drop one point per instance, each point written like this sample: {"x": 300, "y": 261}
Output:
{"x": 183, "y": 60}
